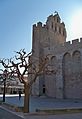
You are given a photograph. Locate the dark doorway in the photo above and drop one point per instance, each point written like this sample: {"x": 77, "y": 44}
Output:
{"x": 43, "y": 89}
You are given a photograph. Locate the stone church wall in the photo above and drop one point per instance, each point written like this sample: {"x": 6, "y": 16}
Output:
{"x": 65, "y": 60}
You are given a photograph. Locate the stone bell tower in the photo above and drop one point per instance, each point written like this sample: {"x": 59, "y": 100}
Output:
{"x": 56, "y": 32}
{"x": 47, "y": 35}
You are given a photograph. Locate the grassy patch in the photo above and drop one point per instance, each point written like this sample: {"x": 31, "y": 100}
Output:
{"x": 60, "y": 111}
{"x": 12, "y": 107}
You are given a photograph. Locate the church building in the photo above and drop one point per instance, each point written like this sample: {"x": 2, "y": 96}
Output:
{"x": 65, "y": 59}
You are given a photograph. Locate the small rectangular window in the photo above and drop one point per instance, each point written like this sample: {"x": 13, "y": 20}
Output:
{"x": 55, "y": 28}
{"x": 52, "y": 25}
{"x": 59, "y": 29}
{"x": 63, "y": 32}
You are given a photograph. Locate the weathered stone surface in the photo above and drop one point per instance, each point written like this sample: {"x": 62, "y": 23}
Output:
{"x": 65, "y": 59}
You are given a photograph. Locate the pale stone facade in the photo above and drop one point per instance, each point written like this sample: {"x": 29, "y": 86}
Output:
{"x": 13, "y": 86}
{"x": 65, "y": 59}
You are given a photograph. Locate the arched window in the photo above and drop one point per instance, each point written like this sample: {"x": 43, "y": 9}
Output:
{"x": 53, "y": 60}
{"x": 66, "y": 75}
{"x": 72, "y": 75}
{"x": 58, "y": 19}
{"x": 67, "y": 64}
{"x": 76, "y": 63}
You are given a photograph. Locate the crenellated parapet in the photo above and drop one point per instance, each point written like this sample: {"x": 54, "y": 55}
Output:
{"x": 51, "y": 33}
{"x": 66, "y": 47}
{"x": 74, "y": 42}
{"x": 53, "y": 23}
{"x": 38, "y": 25}
{"x": 52, "y": 36}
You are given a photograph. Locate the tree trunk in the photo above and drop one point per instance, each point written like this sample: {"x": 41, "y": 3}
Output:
{"x": 4, "y": 89}
{"x": 26, "y": 98}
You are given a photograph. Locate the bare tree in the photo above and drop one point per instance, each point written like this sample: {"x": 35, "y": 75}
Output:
{"x": 19, "y": 66}
{"x": 5, "y": 77}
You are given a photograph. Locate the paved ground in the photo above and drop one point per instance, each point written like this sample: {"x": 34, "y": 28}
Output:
{"x": 46, "y": 103}
{"x": 6, "y": 114}
{"x": 64, "y": 116}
